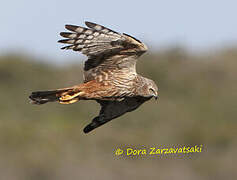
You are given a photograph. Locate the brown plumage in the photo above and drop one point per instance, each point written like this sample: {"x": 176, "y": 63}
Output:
{"x": 110, "y": 75}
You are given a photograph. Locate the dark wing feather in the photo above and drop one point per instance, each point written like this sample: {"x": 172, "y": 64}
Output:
{"x": 113, "y": 109}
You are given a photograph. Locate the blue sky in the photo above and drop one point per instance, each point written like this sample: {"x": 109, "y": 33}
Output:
{"x": 33, "y": 26}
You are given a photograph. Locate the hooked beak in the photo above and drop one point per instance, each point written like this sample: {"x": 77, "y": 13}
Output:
{"x": 156, "y": 96}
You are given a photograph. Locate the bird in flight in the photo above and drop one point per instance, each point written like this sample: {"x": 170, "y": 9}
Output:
{"x": 110, "y": 76}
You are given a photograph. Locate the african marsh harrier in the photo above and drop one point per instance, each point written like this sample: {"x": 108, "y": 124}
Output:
{"x": 110, "y": 75}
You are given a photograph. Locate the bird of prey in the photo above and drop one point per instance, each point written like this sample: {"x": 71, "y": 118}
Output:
{"x": 110, "y": 76}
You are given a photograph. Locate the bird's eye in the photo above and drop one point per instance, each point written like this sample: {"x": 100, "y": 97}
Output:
{"x": 152, "y": 91}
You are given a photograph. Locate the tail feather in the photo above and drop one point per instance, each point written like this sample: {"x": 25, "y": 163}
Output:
{"x": 63, "y": 96}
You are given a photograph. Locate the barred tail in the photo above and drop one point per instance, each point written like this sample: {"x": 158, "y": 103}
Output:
{"x": 63, "y": 96}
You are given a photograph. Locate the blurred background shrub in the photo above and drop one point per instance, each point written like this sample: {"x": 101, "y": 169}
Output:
{"x": 197, "y": 105}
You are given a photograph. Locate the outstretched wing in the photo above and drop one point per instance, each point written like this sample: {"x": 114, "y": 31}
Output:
{"x": 113, "y": 109}
{"x": 104, "y": 47}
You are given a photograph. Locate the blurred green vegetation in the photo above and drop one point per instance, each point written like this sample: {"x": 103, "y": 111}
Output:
{"x": 197, "y": 105}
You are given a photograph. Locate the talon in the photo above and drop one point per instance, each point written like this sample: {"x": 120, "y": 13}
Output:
{"x": 70, "y": 97}
{"x": 68, "y": 102}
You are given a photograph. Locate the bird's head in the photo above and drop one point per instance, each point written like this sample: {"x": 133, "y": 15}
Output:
{"x": 152, "y": 89}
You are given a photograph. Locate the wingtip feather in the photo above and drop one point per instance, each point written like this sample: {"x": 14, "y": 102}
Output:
{"x": 68, "y": 47}
{"x": 71, "y": 27}
{"x": 89, "y": 24}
